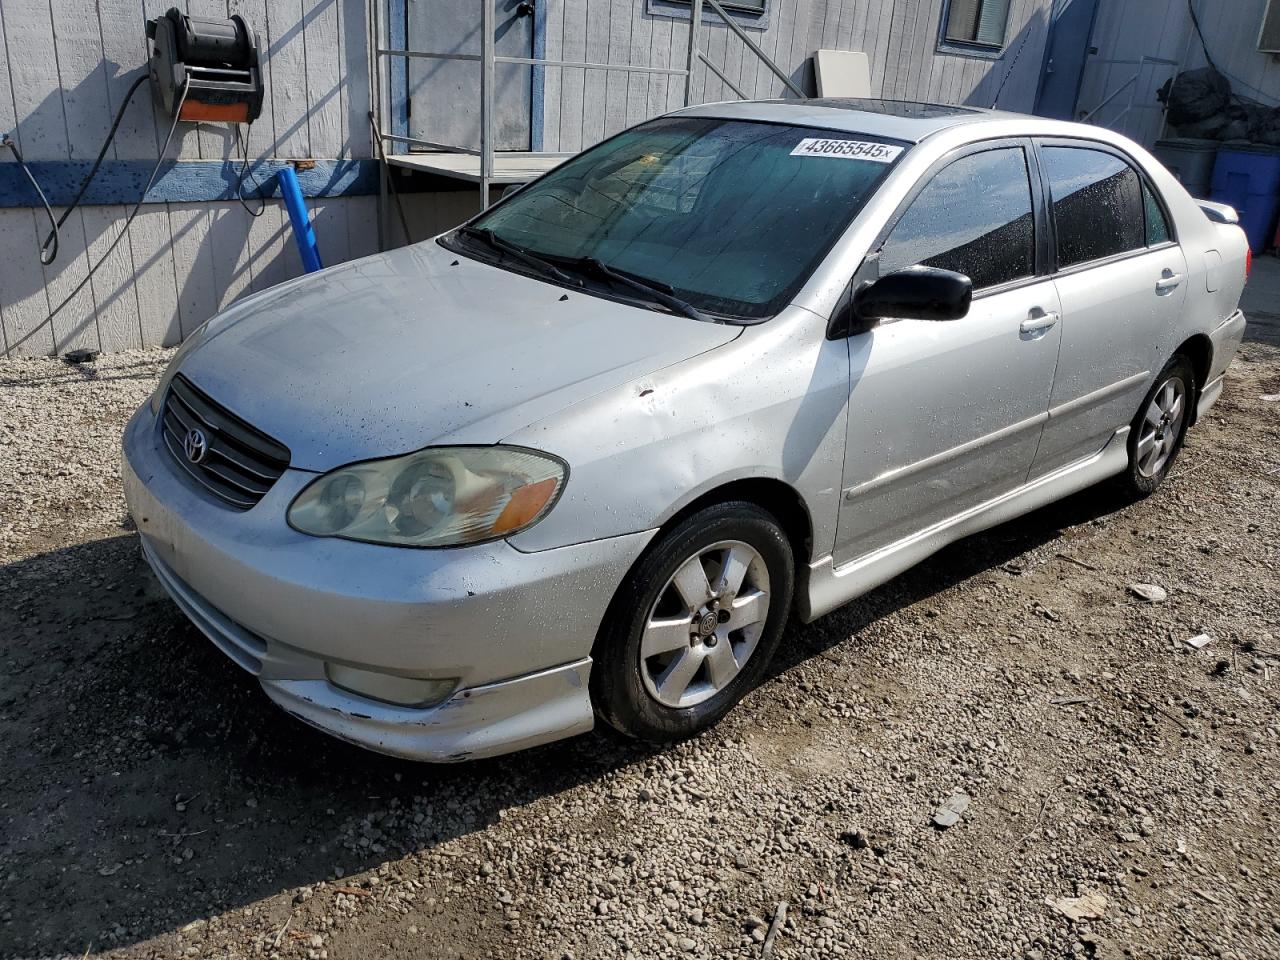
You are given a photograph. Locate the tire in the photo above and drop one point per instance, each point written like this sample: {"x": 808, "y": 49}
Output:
{"x": 1158, "y": 430}
{"x": 699, "y": 659}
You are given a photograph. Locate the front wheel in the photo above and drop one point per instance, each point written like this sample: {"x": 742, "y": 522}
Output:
{"x": 1157, "y": 432}
{"x": 693, "y": 627}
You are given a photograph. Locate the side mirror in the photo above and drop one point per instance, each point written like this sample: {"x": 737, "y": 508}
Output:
{"x": 916, "y": 293}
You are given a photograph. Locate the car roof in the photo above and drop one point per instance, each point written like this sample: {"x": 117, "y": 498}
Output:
{"x": 907, "y": 120}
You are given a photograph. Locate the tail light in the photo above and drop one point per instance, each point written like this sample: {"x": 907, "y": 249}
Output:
{"x": 1248, "y": 261}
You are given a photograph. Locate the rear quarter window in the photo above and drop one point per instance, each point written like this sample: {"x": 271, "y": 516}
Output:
{"x": 1157, "y": 224}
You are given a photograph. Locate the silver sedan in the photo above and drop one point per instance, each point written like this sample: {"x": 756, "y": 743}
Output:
{"x": 585, "y": 454}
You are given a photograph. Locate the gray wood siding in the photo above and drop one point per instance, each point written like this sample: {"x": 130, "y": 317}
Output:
{"x": 181, "y": 262}
{"x": 60, "y": 84}
{"x": 900, "y": 36}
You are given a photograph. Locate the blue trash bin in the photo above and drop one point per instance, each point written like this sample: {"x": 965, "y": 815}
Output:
{"x": 1247, "y": 176}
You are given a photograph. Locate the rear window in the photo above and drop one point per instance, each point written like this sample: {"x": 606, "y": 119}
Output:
{"x": 1098, "y": 208}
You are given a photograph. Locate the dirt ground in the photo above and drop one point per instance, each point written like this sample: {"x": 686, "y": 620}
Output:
{"x": 154, "y": 804}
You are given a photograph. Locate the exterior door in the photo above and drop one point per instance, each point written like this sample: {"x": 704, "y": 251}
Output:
{"x": 444, "y": 95}
{"x": 1122, "y": 284}
{"x": 1064, "y": 58}
{"x": 946, "y": 415}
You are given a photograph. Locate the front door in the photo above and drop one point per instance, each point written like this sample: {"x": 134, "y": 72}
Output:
{"x": 444, "y": 95}
{"x": 1122, "y": 285}
{"x": 944, "y": 416}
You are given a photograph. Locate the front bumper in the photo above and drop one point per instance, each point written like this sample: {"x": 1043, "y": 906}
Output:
{"x": 515, "y": 628}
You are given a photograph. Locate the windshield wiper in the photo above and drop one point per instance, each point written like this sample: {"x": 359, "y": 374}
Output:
{"x": 652, "y": 289}
{"x": 520, "y": 253}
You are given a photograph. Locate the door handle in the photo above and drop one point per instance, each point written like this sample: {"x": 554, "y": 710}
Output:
{"x": 1168, "y": 281}
{"x": 524, "y": 9}
{"x": 1039, "y": 323}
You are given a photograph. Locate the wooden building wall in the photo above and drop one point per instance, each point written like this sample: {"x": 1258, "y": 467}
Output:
{"x": 900, "y": 37}
{"x": 67, "y": 64}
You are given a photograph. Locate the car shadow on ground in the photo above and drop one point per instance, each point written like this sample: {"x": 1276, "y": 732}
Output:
{"x": 950, "y": 566}
{"x": 146, "y": 782}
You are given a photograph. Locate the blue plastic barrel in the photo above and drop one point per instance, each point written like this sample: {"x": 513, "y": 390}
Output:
{"x": 1248, "y": 178}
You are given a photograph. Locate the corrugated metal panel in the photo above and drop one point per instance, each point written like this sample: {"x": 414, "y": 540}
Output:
{"x": 1126, "y": 30}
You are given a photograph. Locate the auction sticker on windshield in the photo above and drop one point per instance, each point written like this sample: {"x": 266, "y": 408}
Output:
{"x": 848, "y": 149}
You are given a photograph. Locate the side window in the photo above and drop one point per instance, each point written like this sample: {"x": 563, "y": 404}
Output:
{"x": 1097, "y": 204}
{"x": 1157, "y": 225}
{"x": 973, "y": 217}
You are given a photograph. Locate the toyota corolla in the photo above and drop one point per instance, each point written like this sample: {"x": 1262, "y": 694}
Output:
{"x": 583, "y": 456}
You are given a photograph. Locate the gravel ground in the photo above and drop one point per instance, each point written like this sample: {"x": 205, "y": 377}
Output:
{"x": 1124, "y": 788}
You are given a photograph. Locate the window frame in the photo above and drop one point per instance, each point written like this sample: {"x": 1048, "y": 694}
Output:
{"x": 741, "y": 11}
{"x": 1145, "y": 182}
{"x": 870, "y": 269}
{"x": 971, "y": 48}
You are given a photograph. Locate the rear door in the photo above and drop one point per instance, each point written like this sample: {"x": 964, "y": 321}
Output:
{"x": 1121, "y": 278}
{"x": 944, "y": 416}
{"x": 444, "y": 95}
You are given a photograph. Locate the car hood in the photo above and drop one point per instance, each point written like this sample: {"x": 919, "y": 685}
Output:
{"x": 417, "y": 346}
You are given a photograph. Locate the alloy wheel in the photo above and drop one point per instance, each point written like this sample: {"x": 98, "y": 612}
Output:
{"x": 1161, "y": 427}
{"x": 705, "y": 624}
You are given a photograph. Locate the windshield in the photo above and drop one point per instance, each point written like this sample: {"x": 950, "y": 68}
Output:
{"x": 729, "y": 215}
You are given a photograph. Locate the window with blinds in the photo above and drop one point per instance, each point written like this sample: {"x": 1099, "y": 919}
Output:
{"x": 978, "y": 22}
{"x": 746, "y": 6}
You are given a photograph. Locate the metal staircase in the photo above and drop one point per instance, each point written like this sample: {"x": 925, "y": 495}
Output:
{"x": 483, "y": 165}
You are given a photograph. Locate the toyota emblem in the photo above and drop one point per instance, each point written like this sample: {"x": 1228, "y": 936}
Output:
{"x": 195, "y": 446}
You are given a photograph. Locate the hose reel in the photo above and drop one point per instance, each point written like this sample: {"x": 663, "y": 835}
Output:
{"x": 215, "y": 60}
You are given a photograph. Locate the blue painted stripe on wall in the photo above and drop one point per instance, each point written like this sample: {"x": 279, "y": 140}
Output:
{"x": 120, "y": 181}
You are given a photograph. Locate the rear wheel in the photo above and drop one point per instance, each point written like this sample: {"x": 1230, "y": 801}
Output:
{"x": 1157, "y": 432}
{"x": 694, "y": 625}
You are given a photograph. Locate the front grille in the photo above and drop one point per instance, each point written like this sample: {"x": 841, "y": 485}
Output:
{"x": 238, "y": 464}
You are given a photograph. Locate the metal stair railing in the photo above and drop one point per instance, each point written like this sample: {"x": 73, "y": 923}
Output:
{"x": 1131, "y": 84}
{"x": 488, "y": 58}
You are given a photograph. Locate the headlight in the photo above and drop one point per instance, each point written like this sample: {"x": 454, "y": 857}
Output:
{"x": 439, "y": 497}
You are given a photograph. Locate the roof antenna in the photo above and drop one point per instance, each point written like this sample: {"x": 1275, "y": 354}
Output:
{"x": 1013, "y": 63}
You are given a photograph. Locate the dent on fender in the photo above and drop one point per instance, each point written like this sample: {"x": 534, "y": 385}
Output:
{"x": 700, "y": 424}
